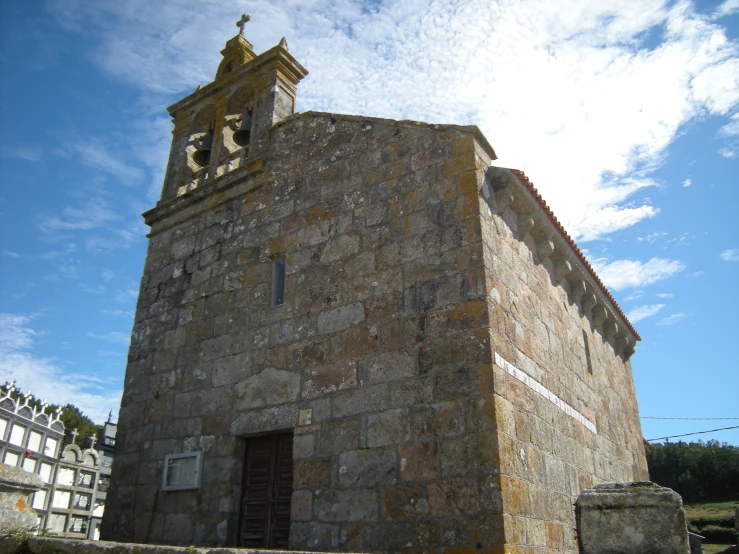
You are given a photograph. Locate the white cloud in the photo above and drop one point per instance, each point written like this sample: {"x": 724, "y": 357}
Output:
{"x": 687, "y": 183}
{"x": 730, "y": 255}
{"x": 672, "y": 319}
{"x": 567, "y": 91}
{"x": 129, "y": 294}
{"x": 642, "y": 312}
{"x": 94, "y": 154}
{"x": 27, "y": 153}
{"x": 729, "y": 152}
{"x": 44, "y": 377}
{"x": 11, "y": 254}
{"x": 696, "y": 274}
{"x": 665, "y": 295}
{"x": 726, "y": 8}
{"x": 622, "y": 274}
{"x": 651, "y": 237}
{"x": 731, "y": 129}
{"x": 115, "y": 337}
{"x": 94, "y": 214}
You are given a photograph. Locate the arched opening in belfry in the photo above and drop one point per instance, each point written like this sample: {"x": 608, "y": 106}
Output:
{"x": 202, "y": 134}
{"x": 240, "y": 118}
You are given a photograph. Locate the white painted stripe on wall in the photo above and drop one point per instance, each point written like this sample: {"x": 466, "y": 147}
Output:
{"x": 545, "y": 392}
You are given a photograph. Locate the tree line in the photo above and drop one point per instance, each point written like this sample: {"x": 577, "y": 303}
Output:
{"x": 697, "y": 471}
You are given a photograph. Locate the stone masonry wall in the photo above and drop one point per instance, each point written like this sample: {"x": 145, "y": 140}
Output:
{"x": 383, "y": 336}
{"x": 548, "y": 456}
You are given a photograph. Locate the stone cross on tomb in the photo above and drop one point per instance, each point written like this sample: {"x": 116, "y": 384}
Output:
{"x": 242, "y": 22}
{"x": 93, "y": 440}
{"x": 73, "y": 432}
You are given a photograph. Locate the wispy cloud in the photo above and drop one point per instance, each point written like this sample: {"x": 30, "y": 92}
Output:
{"x": 115, "y": 337}
{"x": 93, "y": 214}
{"x": 726, "y": 8}
{"x": 642, "y": 312}
{"x": 687, "y": 182}
{"x": 10, "y": 254}
{"x": 124, "y": 296}
{"x": 570, "y": 65}
{"x": 731, "y": 255}
{"x": 665, "y": 295}
{"x": 672, "y": 319}
{"x": 27, "y": 153}
{"x": 652, "y": 237}
{"x": 94, "y": 154}
{"x": 45, "y": 377}
{"x": 117, "y": 313}
{"x": 622, "y": 274}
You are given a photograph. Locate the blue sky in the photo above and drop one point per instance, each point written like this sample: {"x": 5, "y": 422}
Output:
{"x": 624, "y": 114}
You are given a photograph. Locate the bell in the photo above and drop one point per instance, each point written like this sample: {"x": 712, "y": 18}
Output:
{"x": 242, "y": 136}
{"x": 202, "y": 154}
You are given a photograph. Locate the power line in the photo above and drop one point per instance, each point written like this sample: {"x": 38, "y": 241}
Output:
{"x": 696, "y": 433}
{"x": 694, "y": 418}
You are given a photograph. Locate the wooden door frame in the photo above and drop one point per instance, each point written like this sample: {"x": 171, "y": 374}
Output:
{"x": 273, "y": 483}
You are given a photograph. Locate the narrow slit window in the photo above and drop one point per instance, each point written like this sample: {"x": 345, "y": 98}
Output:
{"x": 587, "y": 352}
{"x": 278, "y": 283}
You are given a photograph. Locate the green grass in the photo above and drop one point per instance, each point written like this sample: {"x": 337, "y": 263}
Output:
{"x": 714, "y": 548}
{"x": 711, "y": 509}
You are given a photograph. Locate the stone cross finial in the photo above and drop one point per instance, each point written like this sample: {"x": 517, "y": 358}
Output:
{"x": 242, "y": 22}
{"x": 93, "y": 440}
{"x": 73, "y": 432}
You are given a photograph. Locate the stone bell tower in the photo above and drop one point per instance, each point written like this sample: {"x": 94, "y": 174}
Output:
{"x": 223, "y": 126}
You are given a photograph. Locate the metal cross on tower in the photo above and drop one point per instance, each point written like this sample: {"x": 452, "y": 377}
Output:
{"x": 242, "y": 22}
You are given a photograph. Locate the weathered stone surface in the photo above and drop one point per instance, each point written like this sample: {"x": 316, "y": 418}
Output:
{"x": 271, "y": 386}
{"x": 419, "y": 460}
{"x": 16, "y": 484}
{"x": 340, "y": 318}
{"x": 353, "y": 505}
{"x": 366, "y": 468}
{"x": 621, "y": 518}
{"x": 389, "y": 427}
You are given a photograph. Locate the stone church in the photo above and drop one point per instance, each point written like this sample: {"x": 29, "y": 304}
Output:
{"x": 360, "y": 334}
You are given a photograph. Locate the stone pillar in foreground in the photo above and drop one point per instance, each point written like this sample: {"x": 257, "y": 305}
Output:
{"x": 631, "y": 518}
{"x": 16, "y": 484}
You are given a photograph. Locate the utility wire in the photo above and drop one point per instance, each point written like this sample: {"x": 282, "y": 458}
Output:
{"x": 696, "y": 433}
{"x": 693, "y": 418}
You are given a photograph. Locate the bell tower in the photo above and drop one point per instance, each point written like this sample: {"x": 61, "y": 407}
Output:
{"x": 222, "y": 128}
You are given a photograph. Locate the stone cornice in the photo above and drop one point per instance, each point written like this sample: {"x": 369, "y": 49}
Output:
{"x": 174, "y": 210}
{"x": 511, "y": 189}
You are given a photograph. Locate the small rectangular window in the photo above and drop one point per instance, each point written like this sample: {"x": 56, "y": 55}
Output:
{"x": 278, "y": 282}
{"x": 182, "y": 471}
{"x": 587, "y": 352}
{"x": 3, "y": 426}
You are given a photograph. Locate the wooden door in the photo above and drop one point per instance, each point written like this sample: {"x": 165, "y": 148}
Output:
{"x": 268, "y": 488}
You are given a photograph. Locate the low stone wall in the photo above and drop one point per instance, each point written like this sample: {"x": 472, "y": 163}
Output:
{"x": 631, "y": 518}
{"x": 51, "y": 545}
